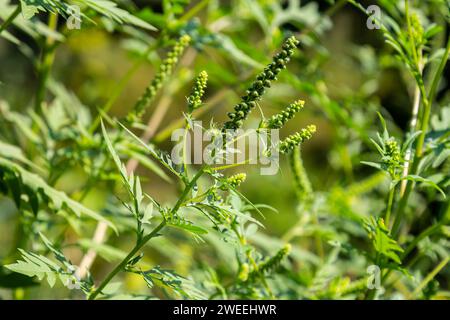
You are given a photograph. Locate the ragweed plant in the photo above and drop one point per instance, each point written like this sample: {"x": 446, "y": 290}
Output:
{"x": 152, "y": 218}
{"x": 258, "y": 87}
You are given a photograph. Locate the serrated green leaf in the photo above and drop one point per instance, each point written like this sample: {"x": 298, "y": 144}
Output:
{"x": 382, "y": 241}
{"x": 58, "y": 199}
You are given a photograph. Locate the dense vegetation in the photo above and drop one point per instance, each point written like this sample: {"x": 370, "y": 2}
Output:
{"x": 93, "y": 205}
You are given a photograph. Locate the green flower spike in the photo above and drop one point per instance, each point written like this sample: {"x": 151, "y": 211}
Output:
{"x": 258, "y": 87}
{"x": 279, "y": 120}
{"x": 195, "y": 99}
{"x": 276, "y": 260}
{"x": 288, "y": 144}
{"x": 271, "y": 264}
{"x": 244, "y": 272}
{"x": 165, "y": 69}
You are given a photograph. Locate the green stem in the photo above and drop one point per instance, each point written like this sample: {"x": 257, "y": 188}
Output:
{"x": 124, "y": 262}
{"x": 193, "y": 11}
{"x": 10, "y": 19}
{"x": 389, "y": 206}
{"x": 141, "y": 242}
{"x": 185, "y": 166}
{"x": 47, "y": 60}
{"x": 196, "y": 199}
{"x": 430, "y": 276}
{"x": 401, "y": 209}
{"x": 427, "y": 102}
{"x": 411, "y": 37}
{"x": 187, "y": 189}
{"x": 427, "y": 232}
{"x": 438, "y": 74}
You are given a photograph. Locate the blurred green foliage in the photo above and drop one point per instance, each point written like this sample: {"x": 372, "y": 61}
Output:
{"x": 377, "y": 96}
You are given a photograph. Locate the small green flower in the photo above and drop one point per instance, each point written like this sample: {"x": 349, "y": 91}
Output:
{"x": 279, "y": 120}
{"x": 258, "y": 87}
{"x": 165, "y": 69}
{"x": 234, "y": 181}
{"x": 195, "y": 99}
{"x": 214, "y": 195}
{"x": 244, "y": 272}
{"x": 417, "y": 30}
{"x": 296, "y": 139}
{"x": 392, "y": 157}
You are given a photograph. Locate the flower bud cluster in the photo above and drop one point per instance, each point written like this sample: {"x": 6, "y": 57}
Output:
{"x": 258, "y": 87}
{"x": 195, "y": 99}
{"x": 279, "y": 120}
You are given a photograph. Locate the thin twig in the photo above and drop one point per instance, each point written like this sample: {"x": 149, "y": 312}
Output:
{"x": 124, "y": 262}
{"x": 427, "y": 103}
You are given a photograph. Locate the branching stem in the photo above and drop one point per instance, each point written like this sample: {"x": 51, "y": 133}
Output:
{"x": 142, "y": 241}
{"x": 125, "y": 261}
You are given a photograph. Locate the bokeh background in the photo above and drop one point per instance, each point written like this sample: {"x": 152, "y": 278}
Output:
{"x": 343, "y": 70}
